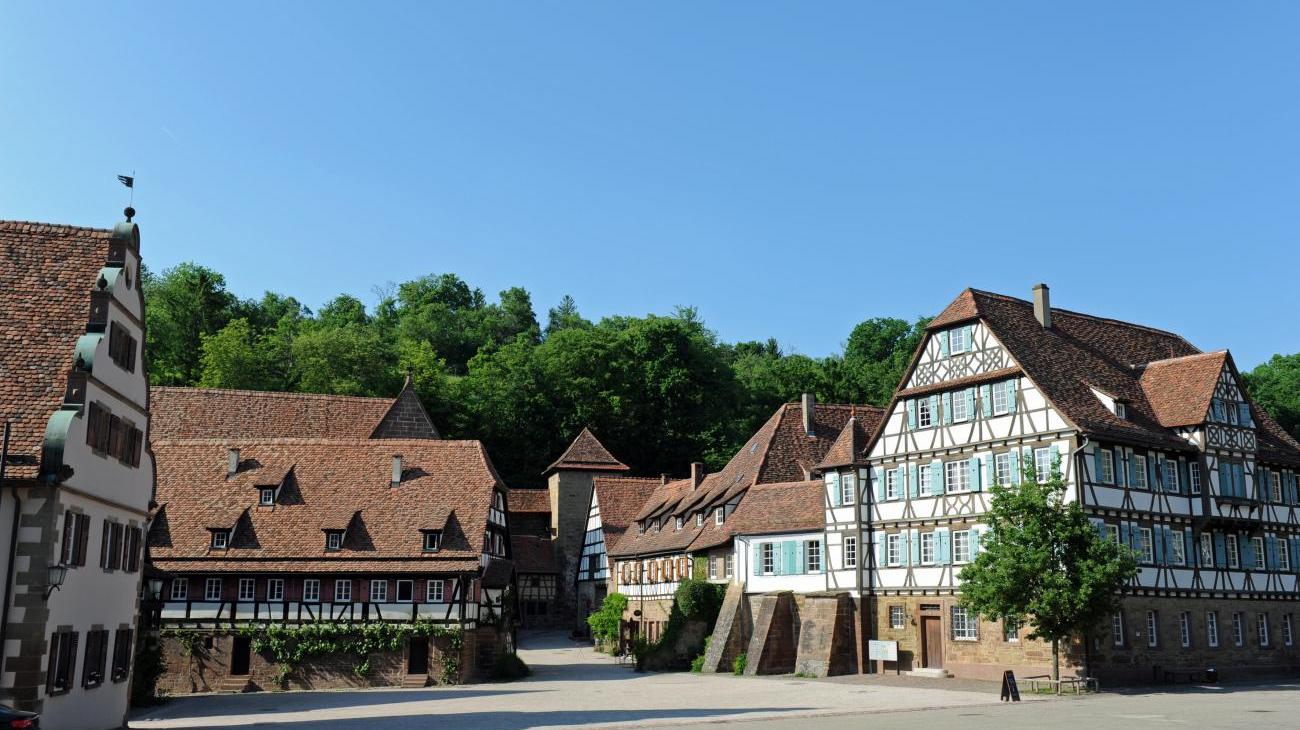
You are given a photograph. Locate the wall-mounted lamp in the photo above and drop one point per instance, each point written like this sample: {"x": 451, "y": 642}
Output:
{"x": 54, "y": 578}
{"x": 155, "y": 588}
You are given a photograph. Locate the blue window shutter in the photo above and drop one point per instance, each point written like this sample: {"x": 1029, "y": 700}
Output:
{"x": 797, "y": 566}
{"x": 914, "y": 547}
{"x": 1270, "y": 552}
{"x": 1184, "y": 478}
{"x": 1011, "y": 395}
{"x": 913, "y": 489}
{"x": 1151, "y": 471}
{"x": 975, "y": 474}
{"x": 878, "y": 478}
{"x": 911, "y": 413}
{"x": 1220, "y": 550}
{"x": 943, "y": 344}
{"x": 1243, "y": 413}
{"x": 969, "y": 395}
{"x": 1123, "y": 533}
{"x": 936, "y": 477}
{"x": 1295, "y": 555}
{"x": 970, "y": 337}
{"x": 1158, "y": 543}
{"x": 758, "y": 559}
{"x": 1239, "y": 475}
{"x": 986, "y": 400}
{"x": 1054, "y": 455}
{"x": 947, "y": 407}
{"x": 913, "y": 477}
{"x": 934, "y": 409}
{"x": 833, "y": 485}
{"x": 944, "y": 540}
{"x": 1247, "y": 552}
{"x": 1013, "y": 458}
{"x": 1189, "y": 547}
{"x": 1225, "y": 480}
{"x": 974, "y": 542}
{"x": 1096, "y": 464}
{"x": 879, "y": 540}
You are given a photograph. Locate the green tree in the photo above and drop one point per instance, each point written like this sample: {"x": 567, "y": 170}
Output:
{"x": 182, "y": 305}
{"x": 564, "y": 316}
{"x": 348, "y": 360}
{"x": 1275, "y": 387}
{"x": 876, "y": 356}
{"x": 1043, "y": 560}
{"x": 232, "y": 358}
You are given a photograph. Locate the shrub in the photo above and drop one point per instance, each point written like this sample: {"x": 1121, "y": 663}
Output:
{"x": 697, "y": 664}
{"x": 509, "y": 666}
{"x": 700, "y": 600}
{"x": 738, "y": 664}
{"x": 605, "y": 622}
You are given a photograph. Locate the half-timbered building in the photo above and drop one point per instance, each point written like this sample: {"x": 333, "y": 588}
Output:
{"x": 293, "y": 509}
{"x": 77, "y": 474}
{"x": 1157, "y": 440}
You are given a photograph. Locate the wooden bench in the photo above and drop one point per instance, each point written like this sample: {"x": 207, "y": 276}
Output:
{"x": 1078, "y": 684}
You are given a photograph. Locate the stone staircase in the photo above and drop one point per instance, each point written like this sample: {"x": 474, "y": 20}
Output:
{"x": 235, "y": 684}
{"x": 412, "y": 681}
{"x": 930, "y": 673}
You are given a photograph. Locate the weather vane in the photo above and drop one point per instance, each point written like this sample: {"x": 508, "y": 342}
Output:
{"x": 129, "y": 181}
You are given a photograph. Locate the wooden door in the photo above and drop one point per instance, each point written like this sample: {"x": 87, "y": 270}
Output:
{"x": 240, "y": 653}
{"x": 417, "y": 656}
{"x": 932, "y": 641}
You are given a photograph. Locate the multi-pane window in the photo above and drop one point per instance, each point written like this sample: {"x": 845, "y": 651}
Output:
{"x": 1177, "y": 550}
{"x": 699, "y": 520}
{"x": 1117, "y": 628}
{"x": 1002, "y": 469}
{"x": 897, "y": 617}
{"x": 405, "y": 591}
{"x": 923, "y": 481}
{"x": 212, "y": 589}
{"x": 960, "y": 412}
{"x": 342, "y": 591}
{"x": 961, "y": 548}
{"x": 958, "y": 340}
{"x": 1261, "y": 627}
{"x": 848, "y": 489}
{"x": 311, "y": 590}
{"x": 1258, "y": 543}
{"x": 924, "y": 417}
{"x": 1287, "y": 637}
{"x": 433, "y": 590}
{"x": 180, "y": 588}
{"x": 1153, "y": 628}
{"x": 1001, "y": 398}
{"x": 1148, "y": 547}
{"x": 1234, "y": 560}
{"x": 677, "y": 523}
{"x": 1139, "y": 471}
{"x": 965, "y": 626}
{"x": 1112, "y": 533}
{"x": 1106, "y": 466}
{"x": 1275, "y": 487}
{"x": 851, "y": 551}
{"x": 1207, "y": 549}
{"x": 1185, "y": 629}
{"x": 813, "y": 556}
{"x": 1194, "y": 477}
{"x": 729, "y": 565}
{"x": 713, "y": 568}
{"x": 1212, "y": 628}
{"x": 1043, "y": 465}
{"x": 719, "y": 515}
{"x": 275, "y": 589}
{"x": 378, "y": 591}
{"x": 1171, "y": 476}
{"x": 893, "y": 549}
{"x": 957, "y": 476}
{"x": 927, "y": 548}
{"x": 1010, "y": 630}
{"x": 220, "y": 539}
{"x": 1238, "y": 632}
{"x": 1283, "y": 554}
{"x": 247, "y": 589}
{"x": 266, "y": 496}
{"x": 768, "y": 554}
{"x": 333, "y": 540}
{"x": 891, "y": 484}
{"x": 432, "y": 540}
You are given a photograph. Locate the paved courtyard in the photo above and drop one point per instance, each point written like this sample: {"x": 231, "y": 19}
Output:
{"x": 573, "y": 686}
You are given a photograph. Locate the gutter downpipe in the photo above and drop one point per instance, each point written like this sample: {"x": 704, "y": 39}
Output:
{"x": 1078, "y": 493}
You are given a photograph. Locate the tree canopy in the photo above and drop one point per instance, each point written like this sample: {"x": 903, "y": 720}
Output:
{"x": 660, "y": 390}
{"x": 1275, "y": 387}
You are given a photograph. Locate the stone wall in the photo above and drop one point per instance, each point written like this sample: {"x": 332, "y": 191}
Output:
{"x": 772, "y": 649}
{"x": 828, "y": 635}
{"x": 570, "y": 493}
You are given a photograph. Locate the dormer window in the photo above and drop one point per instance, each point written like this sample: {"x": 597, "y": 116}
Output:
{"x": 432, "y": 540}
{"x": 334, "y": 540}
{"x": 959, "y": 340}
{"x": 678, "y": 523}
{"x": 220, "y": 539}
{"x": 719, "y": 515}
{"x": 699, "y": 519}
{"x": 1121, "y": 409}
{"x": 266, "y": 496}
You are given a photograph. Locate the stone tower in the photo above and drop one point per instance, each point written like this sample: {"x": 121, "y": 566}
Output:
{"x": 569, "y": 481}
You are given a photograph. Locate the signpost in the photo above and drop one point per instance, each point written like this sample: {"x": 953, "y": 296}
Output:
{"x": 1010, "y": 692}
{"x": 884, "y": 651}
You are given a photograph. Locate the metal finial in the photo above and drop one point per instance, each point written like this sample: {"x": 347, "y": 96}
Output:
{"x": 130, "y": 213}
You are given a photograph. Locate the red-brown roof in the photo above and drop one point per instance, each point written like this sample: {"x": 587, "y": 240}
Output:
{"x": 215, "y": 413}
{"x": 1180, "y": 389}
{"x": 786, "y": 507}
{"x": 46, "y": 279}
{"x": 586, "y": 454}
{"x": 447, "y": 485}
{"x": 620, "y": 498}
{"x": 533, "y": 554}
{"x": 529, "y": 500}
{"x": 849, "y": 445}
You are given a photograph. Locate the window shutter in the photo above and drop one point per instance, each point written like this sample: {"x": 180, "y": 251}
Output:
{"x": 1013, "y": 460}
{"x": 878, "y": 549}
{"x": 83, "y": 534}
{"x": 1220, "y": 550}
{"x": 1011, "y": 395}
{"x": 969, "y": 395}
{"x": 1295, "y": 555}
{"x": 943, "y": 344}
{"x": 986, "y": 400}
{"x": 798, "y": 565}
{"x": 833, "y": 485}
{"x": 936, "y": 477}
{"x": 934, "y": 409}
{"x": 1243, "y": 412}
{"x": 1270, "y": 552}
{"x": 974, "y": 542}
{"x": 947, "y": 407}
{"x": 914, "y": 547}
{"x": 878, "y": 477}
{"x": 54, "y": 663}
{"x": 1189, "y": 547}
{"x": 1152, "y": 471}
{"x": 970, "y": 337}
{"x": 1096, "y": 464}
{"x": 1247, "y": 551}
{"x": 1099, "y": 525}
{"x": 975, "y": 473}
{"x": 105, "y": 545}
{"x": 72, "y": 660}
{"x": 758, "y": 558}
{"x": 913, "y": 489}
{"x": 1158, "y": 544}
{"x": 911, "y": 413}
{"x": 944, "y": 540}
{"x": 1184, "y": 478}
{"x": 914, "y": 478}
{"x": 1123, "y": 534}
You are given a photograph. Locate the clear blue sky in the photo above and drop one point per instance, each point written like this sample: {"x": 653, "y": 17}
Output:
{"x": 789, "y": 168}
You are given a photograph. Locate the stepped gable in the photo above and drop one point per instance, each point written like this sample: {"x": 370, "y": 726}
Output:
{"x": 333, "y": 484}
{"x": 586, "y": 453}
{"x": 46, "y": 282}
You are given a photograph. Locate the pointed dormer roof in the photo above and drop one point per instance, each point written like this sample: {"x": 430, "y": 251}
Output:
{"x": 1180, "y": 389}
{"x": 406, "y": 417}
{"x": 847, "y": 448}
{"x": 586, "y": 454}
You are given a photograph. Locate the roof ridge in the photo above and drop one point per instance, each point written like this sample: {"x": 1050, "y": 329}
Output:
{"x": 54, "y": 226}
{"x": 269, "y": 393}
{"x": 312, "y": 440}
{"x": 1172, "y": 360}
{"x": 1082, "y": 315}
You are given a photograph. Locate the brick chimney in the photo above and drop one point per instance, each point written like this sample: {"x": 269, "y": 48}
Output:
{"x": 809, "y": 405}
{"x": 697, "y": 474}
{"x": 232, "y": 462}
{"x": 1043, "y": 306}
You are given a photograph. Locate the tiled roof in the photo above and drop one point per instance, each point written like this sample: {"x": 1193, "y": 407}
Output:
{"x": 46, "y": 278}
{"x": 586, "y": 453}
{"x": 446, "y": 485}
{"x": 1180, "y": 389}
{"x": 786, "y": 507}
{"x": 529, "y": 500}
{"x": 780, "y": 451}
{"x": 215, "y": 413}
{"x": 620, "y": 497}
{"x": 533, "y": 554}
{"x": 360, "y": 566}
{"x": 849, "y": 445}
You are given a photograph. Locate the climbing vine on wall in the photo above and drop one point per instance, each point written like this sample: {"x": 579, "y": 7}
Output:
{"x": 291, "y": 645}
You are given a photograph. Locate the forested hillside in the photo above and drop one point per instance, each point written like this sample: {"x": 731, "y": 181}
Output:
{"x": 660, "y": 391}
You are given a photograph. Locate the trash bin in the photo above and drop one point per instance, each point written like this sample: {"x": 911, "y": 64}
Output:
{"x": 1212, "y": 675}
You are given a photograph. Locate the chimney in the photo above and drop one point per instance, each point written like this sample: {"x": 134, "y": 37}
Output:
{"x": 697, "y": 474}
{"x": 397, "y": 470}
{"x": 664, "y": 478}
{"x": 809, "y": 404}
{"x": 1043, "y": 306}
{"x": 232, "y": 462}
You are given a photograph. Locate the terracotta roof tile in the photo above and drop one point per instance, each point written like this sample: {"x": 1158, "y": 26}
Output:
{"x": 1180, "y": 389}
{"x": 785, "y": 507}
{"x": 620, "y": 498}
{"x": 586, "y": 453}
{"x": 529, "y": 500}
{"x": 214, "y": 413}
{"x": 533, "y": 554}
